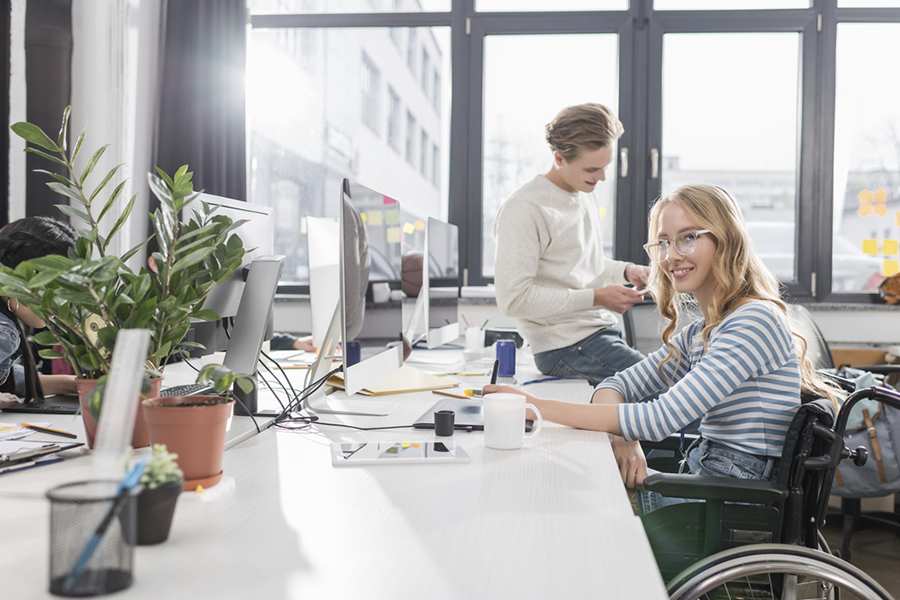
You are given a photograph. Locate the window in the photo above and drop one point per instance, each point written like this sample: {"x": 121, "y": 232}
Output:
{"x": 529, "y": 5}
{"x": 866, "y": 213}
{"x": 410, "y": 138}
{"x": 370, "y": 82}
{"x": 423, "y": 155}
{"x": 435, "y": 165}
{"x": 393, "y": 126}
{"x": 514, "y": 147}
{"x": 436, "y": 92}
{"x": 271, "y": 7}
{"x": 310, "y": 124}
{"x": 426, "y": 71}
{"x": 715, "y": 137}
{"x": 411, "y": 51}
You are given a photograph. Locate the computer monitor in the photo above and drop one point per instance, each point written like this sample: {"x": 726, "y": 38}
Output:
{"x": 371, "y": 300}
{"x": 257, "y": 235}
{"x": 438, "y": 296}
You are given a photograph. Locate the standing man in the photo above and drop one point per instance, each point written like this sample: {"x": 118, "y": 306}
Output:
{"x": 550, "y": 270}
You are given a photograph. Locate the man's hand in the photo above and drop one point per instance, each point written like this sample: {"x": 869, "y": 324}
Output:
{"x": 637, "y": 275}
{"x": 616, "y": 298}
{"x": 631, "y": 460}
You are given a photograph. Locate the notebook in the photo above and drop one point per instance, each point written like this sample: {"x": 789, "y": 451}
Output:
{"x": 405, "y": 379}
{"x": 468, "y": 415}
{"x": 50, "y": 405}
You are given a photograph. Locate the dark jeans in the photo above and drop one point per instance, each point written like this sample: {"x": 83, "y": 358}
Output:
{"x": 596, "y": 357}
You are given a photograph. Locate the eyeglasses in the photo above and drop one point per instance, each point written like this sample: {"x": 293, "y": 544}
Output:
{"x": 685, "y": 243}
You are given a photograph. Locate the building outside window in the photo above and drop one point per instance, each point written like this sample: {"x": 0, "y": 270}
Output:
{"x": 370, "y": 84}
{"x": 423, "y": 154}
{"x": 393, "y": 125}
{"x": 410, "y": 138}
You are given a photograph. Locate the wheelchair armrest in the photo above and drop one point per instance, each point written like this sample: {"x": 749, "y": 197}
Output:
{"x": 722, "y": 489}
{"x": 673, "y": 442}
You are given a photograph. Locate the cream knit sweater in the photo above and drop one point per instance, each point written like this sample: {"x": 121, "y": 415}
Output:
{"x": 549, "y": 260}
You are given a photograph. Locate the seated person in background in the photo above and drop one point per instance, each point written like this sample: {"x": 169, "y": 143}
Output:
{"x": 25, "y": 239}
{"x": 740, "y": 368}
{"x": 550, "y": 271}
{"x": 286, "y": 341}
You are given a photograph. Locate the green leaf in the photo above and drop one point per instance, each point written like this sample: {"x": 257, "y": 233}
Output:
{"x": 92, "y": 162}
{"x": 193, "y": 258}
{"x": 74, "y": 213}
{"x": 101, "y": 186}
{"x": 49, "y": 157}
{"x": 50, "y": 353}
{"x": 78, "y": 145}
{"x": 206, "y": 314}
{"x": 61, "y": 142}
{"x": 45, "y": 338}
{"x": 121, "y": 220}
{"x": 66, "y": 190}
{"x": 60, "y": 178}
{"x": 34, "y": 135}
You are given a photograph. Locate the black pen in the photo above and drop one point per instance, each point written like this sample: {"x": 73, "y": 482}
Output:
{"x": 495, "y": 371}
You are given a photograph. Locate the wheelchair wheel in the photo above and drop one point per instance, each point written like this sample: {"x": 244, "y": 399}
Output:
{"x": 776, "y": 572}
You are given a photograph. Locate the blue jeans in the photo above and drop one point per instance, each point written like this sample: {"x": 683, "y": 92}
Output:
{"x": 596, "y": 357}
{"x": 712, "y": 459}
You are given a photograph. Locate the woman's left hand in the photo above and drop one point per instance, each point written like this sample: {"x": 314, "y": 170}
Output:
{"x": 8, "y": 400}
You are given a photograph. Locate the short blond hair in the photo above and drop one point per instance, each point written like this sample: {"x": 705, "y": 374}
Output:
{"x": 583, "y": 127}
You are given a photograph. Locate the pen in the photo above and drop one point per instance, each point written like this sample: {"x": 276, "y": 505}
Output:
{"x": 472, "y": 393}
{"x": 23, "y": 454}
{"x": 495, "y": 371}
{"x": 50, "y": 431}
{"x": 440, "y": 393}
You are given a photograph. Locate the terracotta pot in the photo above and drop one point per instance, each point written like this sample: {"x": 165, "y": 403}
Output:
{"x": 195, "y": 433}
{"x": 139, "y": 438}
{"x": 155, "y": 509}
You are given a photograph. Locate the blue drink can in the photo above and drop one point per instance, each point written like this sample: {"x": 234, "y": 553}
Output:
{"x": 506, "y": 353}
{"x": 351, "y": 354}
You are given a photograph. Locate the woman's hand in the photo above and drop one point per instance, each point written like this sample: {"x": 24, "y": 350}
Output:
{"x": 8, "y": 400}
{"x": 631, "y": 460}
{"x": 506, "y": 389}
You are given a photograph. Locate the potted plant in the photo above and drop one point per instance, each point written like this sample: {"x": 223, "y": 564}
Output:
{"x": 194, "y": 427}
{"x": 162, "y": 482}
{"x": 87, "y": 297}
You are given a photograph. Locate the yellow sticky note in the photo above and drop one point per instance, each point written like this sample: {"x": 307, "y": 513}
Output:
{"x": 890, "y": 267}
{"x": 870, "y": 246}
{"x": 392, "y": 217}
{"x": 897, "y": 217}
{"x": 375, "y": 218}
{"x": 393, "y": 235}
{"x": 602, "y": 212}
{"x": 409, "y": 228}
{"x": 889, "y": 247}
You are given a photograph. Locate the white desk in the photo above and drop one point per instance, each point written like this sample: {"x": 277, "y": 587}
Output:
{"x": 549, "y": 521}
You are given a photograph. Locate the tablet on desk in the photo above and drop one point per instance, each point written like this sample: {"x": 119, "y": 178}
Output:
{"x": 396, "y": 453}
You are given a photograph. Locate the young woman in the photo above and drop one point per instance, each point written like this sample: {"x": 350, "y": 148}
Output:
{"x": 740, "y": 368}
{"x": 550, "y": 270}
{"x": 22, "y": 240}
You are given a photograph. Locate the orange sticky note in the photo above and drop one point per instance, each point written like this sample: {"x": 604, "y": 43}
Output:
{"x": 897, "y": 217}
{"x": 870, "y": 247}
{"x": 890, "y": 267}
{"x": 889, "y": 247}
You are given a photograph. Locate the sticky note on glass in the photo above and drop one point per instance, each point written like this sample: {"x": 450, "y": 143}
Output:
{"x": 870, "y": 247}
{"x": 392, "y": 217}
{"x": 890, "y": 267}
{"x": 375, "y": 218}
{"x": 897, "y": 217}
{"x": 409, "y": 228}
{"x": 889, "y": 247}
{"x": 393, "y": 235}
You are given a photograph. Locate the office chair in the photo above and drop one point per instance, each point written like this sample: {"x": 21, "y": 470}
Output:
{"x": 760, "y": 539}
{"x": 851, "y": 517}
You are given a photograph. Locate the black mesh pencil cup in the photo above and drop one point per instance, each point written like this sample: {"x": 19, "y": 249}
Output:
{"x": 92, "y": 536}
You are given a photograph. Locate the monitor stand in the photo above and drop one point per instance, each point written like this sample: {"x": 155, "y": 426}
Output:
{"x": 340, "y": 403}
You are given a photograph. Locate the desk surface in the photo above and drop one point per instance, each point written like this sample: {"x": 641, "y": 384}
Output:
{"x": 551, "y": 520}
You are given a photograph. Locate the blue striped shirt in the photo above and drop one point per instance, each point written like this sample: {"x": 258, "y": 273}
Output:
{"x": 746, "y": 387}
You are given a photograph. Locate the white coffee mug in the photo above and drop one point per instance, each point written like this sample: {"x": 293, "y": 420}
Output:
{"x": 504, "y": 421}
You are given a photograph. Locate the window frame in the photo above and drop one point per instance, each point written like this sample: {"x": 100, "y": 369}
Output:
{"x": 640, "y": 30}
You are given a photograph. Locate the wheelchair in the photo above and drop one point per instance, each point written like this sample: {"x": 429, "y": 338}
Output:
{"x": 754, "y": 539}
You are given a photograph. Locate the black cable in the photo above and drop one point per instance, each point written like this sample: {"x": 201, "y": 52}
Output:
{"x": 298, "y": 399}
{"x": 271, "y": 389}
{"x": 288, "y": 379}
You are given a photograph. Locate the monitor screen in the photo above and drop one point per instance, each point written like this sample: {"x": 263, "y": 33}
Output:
{"x": 371, "y": 299}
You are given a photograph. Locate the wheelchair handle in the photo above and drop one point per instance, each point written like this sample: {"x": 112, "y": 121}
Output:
{"x": 878, "y": 393}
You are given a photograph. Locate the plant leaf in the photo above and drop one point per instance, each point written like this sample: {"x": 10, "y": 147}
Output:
{"x": 49, "y": 157}
{"x": 92, "y": 162}
{"x": 101, "y": 186}
{"x": 121, "y": 220}
{"x": 71, "y": 211}
{"x": 33, "y": 134}
{"x": 66, "y": 190}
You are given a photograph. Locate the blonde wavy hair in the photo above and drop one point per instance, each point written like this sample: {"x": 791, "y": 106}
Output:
{"x": 582, "y": 127}
{"x": 737, "y": 269}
